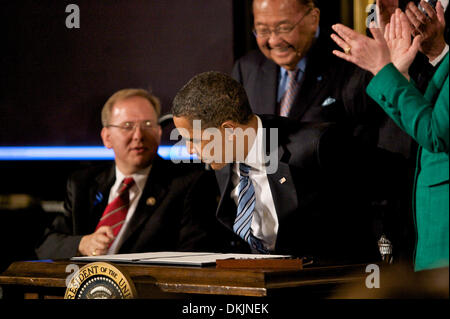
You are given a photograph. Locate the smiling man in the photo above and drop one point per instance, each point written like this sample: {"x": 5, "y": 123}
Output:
{"x": 294, "y": 75}
{"x": 141, "y": 203}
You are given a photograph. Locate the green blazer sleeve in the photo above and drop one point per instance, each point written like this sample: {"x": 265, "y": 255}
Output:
{"x": 424, "y": 117}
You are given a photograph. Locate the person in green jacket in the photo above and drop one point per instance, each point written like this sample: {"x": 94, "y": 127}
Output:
{"x": 423, "y": 116}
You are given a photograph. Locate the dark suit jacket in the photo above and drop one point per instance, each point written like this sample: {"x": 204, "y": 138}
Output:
{"x": 319, "y": 211}
{"x": 167, "y": 225}
{"x": 326, "y": 76}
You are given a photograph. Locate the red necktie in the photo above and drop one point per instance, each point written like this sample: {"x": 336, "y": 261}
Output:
{"x": 291, "y": 92}
{"x": 116, "y": 211}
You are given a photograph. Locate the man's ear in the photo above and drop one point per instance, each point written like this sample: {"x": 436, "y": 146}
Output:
{"x": 316, "y": 15}
{"x": 106, "y": 137}
{"x": 228, "y": 127}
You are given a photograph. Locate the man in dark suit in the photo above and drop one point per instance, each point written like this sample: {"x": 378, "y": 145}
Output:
{"x": 285, "y": 187}
{"x": 151, "y": 213}
{"x": 289, "y": 38}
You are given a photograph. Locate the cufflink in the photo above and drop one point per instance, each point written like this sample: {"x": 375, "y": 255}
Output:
{"x": 282, "y": 180}
{"x": 151, "y": 201}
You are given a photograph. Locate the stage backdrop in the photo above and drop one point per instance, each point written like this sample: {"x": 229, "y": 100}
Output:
{"x": 56, "y": 79}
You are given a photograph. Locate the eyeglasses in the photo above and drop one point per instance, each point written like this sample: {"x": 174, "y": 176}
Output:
{"x": 131, "y": 126}
{"x": 264, "y": 32}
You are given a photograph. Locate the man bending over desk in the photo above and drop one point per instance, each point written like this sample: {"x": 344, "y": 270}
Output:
{"x": 140, "y": 203}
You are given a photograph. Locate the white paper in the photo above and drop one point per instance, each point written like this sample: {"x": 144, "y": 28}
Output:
{"x": 174, "y": 258}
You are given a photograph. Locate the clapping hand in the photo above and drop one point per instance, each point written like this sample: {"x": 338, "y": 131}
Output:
{"x": 398, "y": 37}
{"x": 430, "y": 26}
{"x": 369, "y": 54}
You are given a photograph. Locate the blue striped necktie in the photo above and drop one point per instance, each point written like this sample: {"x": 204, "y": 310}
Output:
{"x": 246, "y": 206}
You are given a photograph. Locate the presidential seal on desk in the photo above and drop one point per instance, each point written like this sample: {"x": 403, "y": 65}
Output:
{"x": 100, "y": 280}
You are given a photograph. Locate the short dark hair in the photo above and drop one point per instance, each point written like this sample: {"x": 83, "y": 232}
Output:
{"x": 212, "y": 97}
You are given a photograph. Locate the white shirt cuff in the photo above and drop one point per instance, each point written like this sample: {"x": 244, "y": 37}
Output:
{"x": 440, "y": 57}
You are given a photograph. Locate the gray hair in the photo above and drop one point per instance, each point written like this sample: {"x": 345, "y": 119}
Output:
{"x": 213, "y": 98}
{"x": 307, "y": 3}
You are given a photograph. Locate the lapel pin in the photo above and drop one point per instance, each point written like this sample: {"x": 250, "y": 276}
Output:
{"x": 282, "y": 180}
{"x": 151, "y": 201}
{"x": 98, "y": 198}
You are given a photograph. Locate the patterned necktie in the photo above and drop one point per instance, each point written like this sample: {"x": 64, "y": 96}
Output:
{"x": 246, "y": 206}
{"x": 116, "y": 211}
{"x": 291, "y": 92}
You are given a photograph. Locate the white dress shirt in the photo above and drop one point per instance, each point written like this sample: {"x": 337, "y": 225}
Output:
{"x": 265, "y": 220}
{"x": 140, "y": 178}
{"x": 440, "y": 57}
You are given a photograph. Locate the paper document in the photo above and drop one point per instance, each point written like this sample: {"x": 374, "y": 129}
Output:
{"x": 174, "y": 258}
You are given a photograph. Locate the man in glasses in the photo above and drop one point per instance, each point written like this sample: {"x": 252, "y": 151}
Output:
{"x": 294, "y": 75}
{"x": 141, "y": 203}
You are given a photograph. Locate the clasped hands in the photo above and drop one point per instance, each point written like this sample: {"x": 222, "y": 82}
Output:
{"x": 396, "y": 44}
{"x": 96, "y": 243}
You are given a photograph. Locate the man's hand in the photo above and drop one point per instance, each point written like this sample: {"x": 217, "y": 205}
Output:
{"x": 96, "y": 243}
{"x": 369, "y": 54}
{"x": 431, "y": 28}
{"x": 385, "y": 9}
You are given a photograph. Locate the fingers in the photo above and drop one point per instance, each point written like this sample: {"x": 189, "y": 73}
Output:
{"x": 345, "y": 33}
{"x": 406, "y": 27}
{"x": 418, "y": 16}
{"x": 416, "y": 44}
{"x": 346, "y": 57}
{"x": 440, "y": 13}
{"x": 376, "y": 32}
{"x": 339, "y": 41}
{"x": 386, "y": 32}
{"x": 428, "y": 9}
{"x": 393, "y": 25}
{"x": 103, "y": 237}
{"x": 107, "y": 230}
{"x": 97, "y": 243}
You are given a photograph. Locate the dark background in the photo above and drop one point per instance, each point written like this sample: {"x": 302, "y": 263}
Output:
{"x": 55, "y": 80}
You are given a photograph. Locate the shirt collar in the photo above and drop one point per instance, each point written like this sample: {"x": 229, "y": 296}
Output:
{"x": 140, "y": 177}
{"x": 255, "y": 156}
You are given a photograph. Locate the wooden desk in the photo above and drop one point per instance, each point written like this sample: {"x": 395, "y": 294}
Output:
{"x": 47, "y": 279}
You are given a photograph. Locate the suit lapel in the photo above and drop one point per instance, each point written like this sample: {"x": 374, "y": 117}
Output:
{"x": 281, "y": 182}
{"x": 99, "y": 194}
{"x": 283, "y": 191}
{"x": 226, "y": 211}
{"x": 312, "y": 82}
{"x": 266, "y": 97}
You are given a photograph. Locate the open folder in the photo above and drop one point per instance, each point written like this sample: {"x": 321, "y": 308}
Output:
{"x": 174, "y": 258}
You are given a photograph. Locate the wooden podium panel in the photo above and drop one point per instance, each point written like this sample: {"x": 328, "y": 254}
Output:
{"x": 48, "y": 279}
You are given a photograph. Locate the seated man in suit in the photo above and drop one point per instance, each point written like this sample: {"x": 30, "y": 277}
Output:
{"x": 141, "y": 203}
{"x": 285, "y": 186}
{"x": 293, "y": 73}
